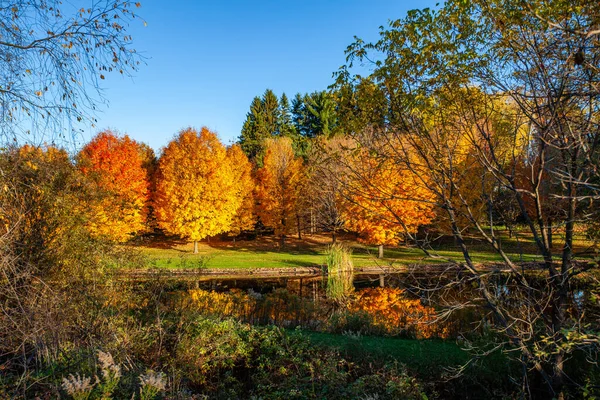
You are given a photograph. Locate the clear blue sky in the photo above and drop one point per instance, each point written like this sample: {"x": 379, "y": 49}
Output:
{"x": 206, "y": 60}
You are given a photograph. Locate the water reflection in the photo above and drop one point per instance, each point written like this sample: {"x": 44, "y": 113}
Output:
{"x": 397, "y": 305}
{"x": 379, "y": 310}
{"x": 280, "y": 307}
{"x": 395, "y": 313}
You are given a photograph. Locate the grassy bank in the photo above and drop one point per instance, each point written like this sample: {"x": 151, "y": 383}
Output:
{"x": 264, "y": 252}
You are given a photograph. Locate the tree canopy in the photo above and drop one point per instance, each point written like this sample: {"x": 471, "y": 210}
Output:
{"x": 279, "y": 183}
{"x": 116, "y": 165}
{"x": 196, "y": 191}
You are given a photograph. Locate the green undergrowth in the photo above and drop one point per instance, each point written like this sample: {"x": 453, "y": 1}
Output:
{"x": 216, "y": 358}
{"x": 426, "y": 358}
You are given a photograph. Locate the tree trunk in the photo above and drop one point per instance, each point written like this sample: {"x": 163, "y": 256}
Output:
{"x": 561, "y": 282}
{"x": 380, "y": 251}
{"x": 549, "y": 228}
{"x": 559, "y": 374}
{"x": 195, "y": 247}
{"x": 298, "y": 226}
{"x": 282, "y": 241}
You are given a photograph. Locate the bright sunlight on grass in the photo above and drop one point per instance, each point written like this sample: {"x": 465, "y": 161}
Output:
{"x": 265, "y": 252}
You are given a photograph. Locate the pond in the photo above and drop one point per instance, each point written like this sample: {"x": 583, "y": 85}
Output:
{"x": 419, "y": 306}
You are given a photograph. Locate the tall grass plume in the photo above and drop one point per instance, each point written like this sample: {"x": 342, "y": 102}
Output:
{"x": 340, "y": 272}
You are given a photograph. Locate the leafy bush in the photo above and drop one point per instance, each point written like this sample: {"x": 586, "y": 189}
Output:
{"x": 229, "y": 359}
{"x": 390, "y": 382}
{"x": 209, "y": 348}
{"x": 345, "y": 320}
{"x": 57, "y": 292}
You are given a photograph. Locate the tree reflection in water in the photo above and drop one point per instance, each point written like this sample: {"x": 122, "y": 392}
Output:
{"x": 386, "y": 311}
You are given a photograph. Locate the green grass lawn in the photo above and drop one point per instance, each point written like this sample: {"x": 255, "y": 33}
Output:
{"x": 264, "y": 252}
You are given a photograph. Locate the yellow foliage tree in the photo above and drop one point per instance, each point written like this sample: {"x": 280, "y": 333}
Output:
{"x": 115, "y": 164}
{"x": 244, "y": 218}
{"x": 279, "y": 182}
{"x": 460, "y": 146}
{"x": 196, "y": 191}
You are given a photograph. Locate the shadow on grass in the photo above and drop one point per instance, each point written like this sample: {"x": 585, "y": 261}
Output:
{"x": 159, "y": 241}
{"x": 271, "y": 244}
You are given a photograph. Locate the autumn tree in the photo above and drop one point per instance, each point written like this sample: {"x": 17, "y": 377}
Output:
{"x": 43, "y": 211}
{"x": 278, "y": 184}
{"x": 149, "y": 164}
{"x": 28, "y": 209}
{"x": 383, "y": 202}
{"x": 454, "y": 66}
{"x": 114, "y": 163}
{"x": 197, "y": 194}
{"x": 53, "y": 58}
{"x": 327, "y": 177}
{"x": 244, "y": 218}
{"x": 454, "y": 142}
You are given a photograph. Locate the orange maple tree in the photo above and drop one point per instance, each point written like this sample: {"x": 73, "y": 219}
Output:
{"x": 384, "y": 201}
{"x": 197, "y": 194}
{"x": 116, "y": 165}
{"x": 279, "y": 183}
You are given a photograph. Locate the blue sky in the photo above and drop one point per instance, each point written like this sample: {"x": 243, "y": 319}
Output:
{"x": 206, "y": 60}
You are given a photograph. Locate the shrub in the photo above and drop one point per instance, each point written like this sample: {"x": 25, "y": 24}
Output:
{"x": 209, "y": 348}
{"x": 57, "y": 292}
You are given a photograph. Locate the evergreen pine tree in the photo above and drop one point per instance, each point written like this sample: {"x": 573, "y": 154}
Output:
{"x": 299, "y": 114}
{"x": 271, "y": 113}
{"x": 321, "y": 115}
{"x": 253, "y": 130}
{"x": 286, "y": 126}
